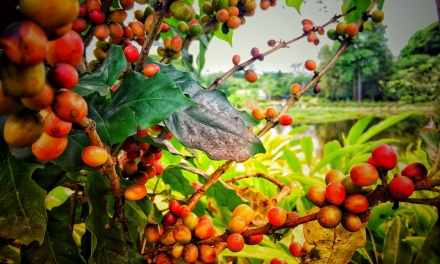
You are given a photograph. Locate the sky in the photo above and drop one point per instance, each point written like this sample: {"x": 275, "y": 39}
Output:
{"x": 402, "y": 17}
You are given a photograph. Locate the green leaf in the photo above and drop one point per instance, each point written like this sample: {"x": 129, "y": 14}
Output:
{"x": 431, "y": 143}
{"x": 106, "y": 76}
{"x": 58, "y": 245}
{"x": 354, "y": 16}
{"x": 203, "y": 46}
{"x": 307, "y": 148}
{"x": 416, "y": 241}
{"x": 266, "y": 253}
{"x": 295, "y": 4}
{"x": 292, "y": 160}
{"x": 335, "y": 155}
{"x": 223, "y": 194}
{"x": 174, "y": 177}
{"x": 162, "y": 143}
{"x": 306, "y": 181}
{"x": 141, "y": 101}
{"x": 381, "y": 126}
{"x": 226, "y": 37}
{"x": 396, "y": 250}
{"x": 430, "y": 251}
{"x": 357, "y": 130}
{"x": 331, "y": 147}
{"x": 380, "y": 4}
{"x": 108, "y": 240}
{"x": 22, "y": 201}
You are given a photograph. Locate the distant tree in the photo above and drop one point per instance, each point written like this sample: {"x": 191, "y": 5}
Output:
{"x": 425, "y": 41}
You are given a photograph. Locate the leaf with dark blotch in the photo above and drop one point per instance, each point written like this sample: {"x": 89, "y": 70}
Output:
{"x": 110, "y": 245}
{"x": 215, "y": 100}
{"x": 162, "y": 143}
{"x": 334, "y": 245}
{"x": 396, "y": 250}
{"x": 105, "y": 77}
{"x": 22, "y": 201}
{"x": 219, "y": 135}
{"x": 58, "y": 245}
{"x": 141, "y": 101}
{"x": 431, "y": 143}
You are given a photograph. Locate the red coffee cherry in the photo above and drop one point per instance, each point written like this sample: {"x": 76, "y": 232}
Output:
{"x": 316, "y": 195}
{"x": 174, "y": 207}
{"x": 384, "y": 156}
{"x": 151, "y": 233}
{"x": 285, "y": 120}
{"x": 277, "y": 216}
{"x": 254, "y": 240}
{"x": 203, "y": 230}
{"x": 335, "y": 193}
{"x": 278, "y": 261}
{"x": 364, "y": 174}
{"x": 151, "y": 69}
{"x": 94, "y": 155}
{"x": 401, "y": 187}
{"x": 295, "y": 249}
{"x": 207, "y": 254}
{"x": 168, "y": 220}
{"x": 356, "y": 203}
{"x": 135, "y": 192}
{"x": 183, "y": 210}
{"x": 415, "y": 171}
{"x": 69, "y": 106}
{"x": 235, "y": 242}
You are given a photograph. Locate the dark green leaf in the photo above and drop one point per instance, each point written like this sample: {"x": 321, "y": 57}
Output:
{"x": 58, "y": 245}
{"x": 431, "y": 143}
{"x": 396, "y": 251}
{"x": 105, "y": 76}
{"x": 228, "y": 37}
{"x": 46, "y": 176}
{"x": 430, "y": 251}
{"x": 22, "y": 201}
{"x": 173, "y": 176}
{"x": 380, "y": 4}
{"x": 295, "y": 4}
{"x": 220, "y": 136}
{"x": 108, "y": 240}
{"x": 187, "y": 60}
{"x": 163, "y": 144}
{"x": 141, "y": 101}
{"x": 62, "y": 212}
{"x": 415, "y": 241}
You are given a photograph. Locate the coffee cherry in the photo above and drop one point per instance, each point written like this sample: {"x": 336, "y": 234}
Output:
{"x": 334, "y": 176}
{"x": 167, "y": 237}
{"x": 237, "y": 224}
{"x": 384, "y": 156}
{"x": 55, "y": 127}
{"x": 349, "y": 185}
{"x": 207, "y": 8}
{"x": 356, "y": 203}
{"x": 164, "y": 258}
{"x": 250, "y": 76}
{"x": 127, "y": 4}
{"x": 139, "y": 177}
{"x": 278, "y": 261}
{"x": 94, "y": 155}
{"x": 415, "y": 171}
{"x": 207, "y": 254}
{"x": 177, "y": 250}
{"x": 335, "y": 193}
{"x": 331, "y": 34}
{"x": 222, "y": 15}
{"x": 307, "y": 28}
{"x": 190, "y": 253}
{"x": 235, "y": 242}
{"x": 96, "y": 16}
{"x": 158, "y": 166}
{"x": 277, "y": 216}
{"x": 150, "y": 69}
{"x": 260, "y": 57}
{"x": 183, "y": 210}
{"x": 244, "y": 211}
{"x": 135, "y": 192}
{"x": 151, "y": 234}
{"x": 370, "y": 161}
{"x": 351, "y": 222}
{"x": 295, "y": 88}
{"x": 20, "y": 81}
{"x": 24, "y": 43}
{"x": 182, "y": 234}
{"x": 129, "y": 167}
{"x": 147, "y": 157}
{"x": 69, "y": 106}
{"x": 150, "y": 171}
{"x": 174, "y": 207}
{"x": 254, "y": 240}
{"x": 271, "y": 43}
{"x": 131, "y": 53}
{"x": 63, "y": 75}
{"x": 203, "y": 230}
{"x": 341, "y": 28}
{"x": 168, "y": 219}
{"x": 352, "y": 30}
{"x": 37, "y": 102}
{"x": 176, "y": 43}
{"x": 67, "y": 49}
{"x": 320, "y": 30}
{"x": 255, "y": 52}
{"x": 377, "y": 16}
{"x": 329, "y": 216}
{"x": 190, "y": 220}
{"x": 23, "y": 129}
{"x": 364, "y": 174}
{"x": 205, "y": 218}
{"x": 49, "y": 148}
{"x": 257, "y": 113}
{"x": 285, "y": 120}
{"x": 401, "y": 187}
{"x": 316, "y": 195}
{"x": 195, "y": 30}
{"x": 310, "y": 65}
{"x": 317, "y": 88}
{"x": 270, "y": 113}
{"x": 365, "y": 216}
{"x": 295, "y": 249}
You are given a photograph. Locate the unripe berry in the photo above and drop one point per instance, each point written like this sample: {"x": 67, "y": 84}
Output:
{"x": 295, "y": 249}
{"x": 235, "y": 242}
{"x": 277, "y": 216}
{"x": 349, "y": 185}
{"x": 401, "y": 187}
{"x": 384, "y": 156}
{"x": 270, "y": 113}
{"x": 167, "y": 237}
{"x": 331, "y": 34}
{"x": 190, "y": 220}
{"x": 415, "y": 171}
{"x": 377, "y": 16}
{"x": 316, "y": 195}
{"x": 285, "y": 120}
{"x": 151, "y": 234}
{"x": 177, "y": 250}
{"x": 329, "y": 216}
{"x": 295, "y": 88}
{"x": 257, "y": 114}
{"x": 237, "y": 224}
{"x": 352, "y": 29}
{"x": 335, "y": 193}
{"x": 340, "y": 28}
{"x": 182, "y": 234}
{"x": 334, "y": 176}
{"x": 190, "y": 253}
{"x": 245, "y": 211}
{"x": 150, "y": 69}
{"x": 94, "y": 155}
{"x": 364, "y": 174}
{"x": 203, "y": 230}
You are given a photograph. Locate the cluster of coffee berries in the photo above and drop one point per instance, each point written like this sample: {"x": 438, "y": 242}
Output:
{"x": 270, "y": 113}
{"x": 343, "y": 30}
{"x": 140, "y": 162}
{"x": 37, "y": 98}
{"x": 265, "y": 4}
{"x": 310, "y": 30}
{"x": 172, "y": 46}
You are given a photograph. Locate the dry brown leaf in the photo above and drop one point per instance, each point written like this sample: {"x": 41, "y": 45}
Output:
{"x": 335, "y": 245}
{"x": 258, "y": 201}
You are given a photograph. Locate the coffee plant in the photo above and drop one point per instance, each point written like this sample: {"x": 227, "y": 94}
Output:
{"x": 125, "y": 159}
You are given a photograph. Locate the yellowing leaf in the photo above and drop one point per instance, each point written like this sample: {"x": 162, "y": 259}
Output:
{"x": 335, "y": 245}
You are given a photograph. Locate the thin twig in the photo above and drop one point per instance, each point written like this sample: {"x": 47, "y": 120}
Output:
{"x": 56, "y": 181}
{"x": 74, "y": 199}
{"x": 273, "y": 180}
{"x": 284, "y": 192}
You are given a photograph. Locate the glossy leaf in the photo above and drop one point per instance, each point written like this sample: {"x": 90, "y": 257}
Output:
{"x": 396, "y": 250}
{"x": 174, "y": 177}
{"x": 431, "y": 143}
{"x": 324, "y": 239}
{"x": 105, "y": 77}
{"x": 226, "y": 37}
{"x": 141, "y": 101}
{"x": 357, "y": 130}
{"x": 295, "y": 4}
{"x": 335, "y": 155}
{"x": 380, "y": 4}
{"x": 361, "y": 6}
{"x": 58, "y": 245}
{"x": 22, "y": 201}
